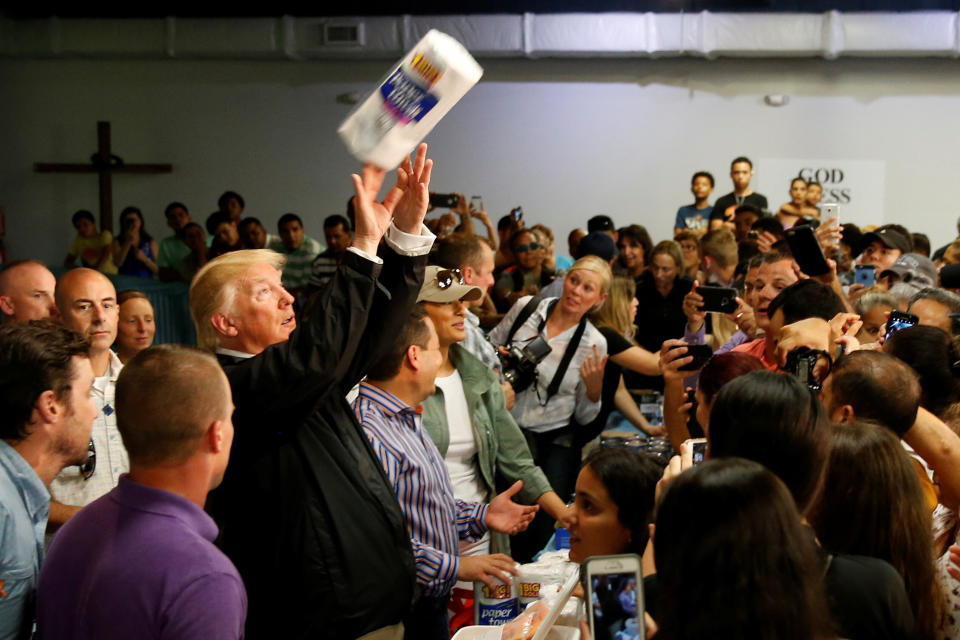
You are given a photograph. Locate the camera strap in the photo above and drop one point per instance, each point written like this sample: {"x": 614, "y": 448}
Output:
{"x": 525, "y": 314}
{"x": 567, "y": 354}
{"x": 522, "y": 317}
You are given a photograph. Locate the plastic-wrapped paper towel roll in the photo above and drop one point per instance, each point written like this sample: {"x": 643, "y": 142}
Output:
{"x": 410, "y": 101}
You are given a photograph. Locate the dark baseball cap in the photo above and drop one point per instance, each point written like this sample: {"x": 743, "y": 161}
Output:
{"x": 600, "y": 223}
{"x": 890, "y": 238}
{"x": 598, "y": 243}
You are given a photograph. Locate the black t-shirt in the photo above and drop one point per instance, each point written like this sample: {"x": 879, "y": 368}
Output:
{"x": 616, "y": 343}
{"x": 720, "y": 206}
{"x": 866, "y": 597}
{"x": 658, "y": 319}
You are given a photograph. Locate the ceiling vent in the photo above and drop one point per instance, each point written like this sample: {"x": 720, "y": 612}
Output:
{"x": 342, "y": 34}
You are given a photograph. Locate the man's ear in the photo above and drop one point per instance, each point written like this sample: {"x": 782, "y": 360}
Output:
{"x": 6, "y": 305}
{"x": 224, "y": 324}
{"x": 214, "y": 436}
{"x": 47, "y": 409}
{"x": 844, "y": 414}
{"x": 468, "y": 273}
{"x": 413, "y": 357}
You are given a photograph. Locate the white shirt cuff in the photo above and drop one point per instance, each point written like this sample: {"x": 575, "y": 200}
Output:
{"x": 407, "y": 244}
{"x": 366, "y": 256}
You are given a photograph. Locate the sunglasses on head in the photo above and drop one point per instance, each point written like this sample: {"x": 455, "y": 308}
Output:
{"x": 447, "y": 277}
{"x": 523, "y": 248}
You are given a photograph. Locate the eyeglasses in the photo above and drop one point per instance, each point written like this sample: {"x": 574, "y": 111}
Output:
{"x": 523, "y": 248}
{"x": 88, "y": 467}
{"x": 447, "y": 277}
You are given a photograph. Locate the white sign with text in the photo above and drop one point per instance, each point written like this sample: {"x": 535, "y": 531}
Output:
{"x": 858, "y": 186}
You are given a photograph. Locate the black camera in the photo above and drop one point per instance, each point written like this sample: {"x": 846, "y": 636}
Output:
{"x": 520, "y": 365}
{"x": 802, "y": 363}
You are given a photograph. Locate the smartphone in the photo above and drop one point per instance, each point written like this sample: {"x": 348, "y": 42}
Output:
{"x": 444, "y": 200}
{"x": 865, "y": 274}
{"x": 722, "y": 299}
{"x": 806, "y": 250}
{"x": 699, "y": 448}
{"x": 477, "y": 203}
{"x": 828, "y": 211}
{"x": 614, "y": 597}
{"x": 700, "y": 352}
{"x": 517, "y": 214}
{"x": 900, "y": 320}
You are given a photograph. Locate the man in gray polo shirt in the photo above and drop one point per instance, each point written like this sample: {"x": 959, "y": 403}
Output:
{"x": 45, "y": 381}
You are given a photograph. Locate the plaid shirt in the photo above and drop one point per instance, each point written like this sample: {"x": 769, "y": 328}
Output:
{"x": 436, "y": 520}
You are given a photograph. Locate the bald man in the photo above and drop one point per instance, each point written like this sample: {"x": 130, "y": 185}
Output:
{"x": 87, "y": 302}
{"x": 175, "y": 407}
{"x": 26, "y": 292}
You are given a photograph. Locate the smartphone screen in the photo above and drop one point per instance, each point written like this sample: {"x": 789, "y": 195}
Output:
{"x": 865, "y": 274}
{"x": 616, "y": 599}
{"x": 477, "y": 203}
{"x": 699, "y": 446}
{"x": 899, "y": 320}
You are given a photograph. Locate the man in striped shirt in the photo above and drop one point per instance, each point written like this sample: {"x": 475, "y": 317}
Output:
{"x": 388, "y": 408}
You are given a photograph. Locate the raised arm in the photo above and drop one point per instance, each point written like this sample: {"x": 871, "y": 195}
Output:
{"x": 939, "y": 446}
{"x": 330, "y": 347}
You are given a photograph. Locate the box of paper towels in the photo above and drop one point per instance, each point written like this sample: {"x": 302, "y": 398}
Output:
{"x": 410, "y": 101}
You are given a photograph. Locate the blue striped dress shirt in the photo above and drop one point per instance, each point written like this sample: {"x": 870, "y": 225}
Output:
{"x": 436, "y": 520}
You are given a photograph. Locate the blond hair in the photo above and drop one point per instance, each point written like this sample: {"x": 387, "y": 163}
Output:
{"x": 597, "y": 265}
{"x": 215, "y": 285}
{"x": 615, "y": 312}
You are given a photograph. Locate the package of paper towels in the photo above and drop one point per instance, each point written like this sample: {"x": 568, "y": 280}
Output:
{"x": 410, "y": 101}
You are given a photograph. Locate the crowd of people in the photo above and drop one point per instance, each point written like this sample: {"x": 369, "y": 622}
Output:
{"x": 367, "y": 429}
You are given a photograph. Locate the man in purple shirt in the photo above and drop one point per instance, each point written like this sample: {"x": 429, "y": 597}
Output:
{"x": 140, "y": 561}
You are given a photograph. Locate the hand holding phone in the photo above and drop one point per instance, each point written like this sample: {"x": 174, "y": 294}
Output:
{"x": 614, "y": 595}
{"x": 701, "y": 354}
{"x": 806, "y": 250}
{"x": 720, "y": 299}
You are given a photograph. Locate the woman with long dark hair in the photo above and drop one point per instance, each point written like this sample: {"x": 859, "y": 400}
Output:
{"x": 134, "y": 250}
{"x": 874, "y": 506}
{"x": 734, "y": 560}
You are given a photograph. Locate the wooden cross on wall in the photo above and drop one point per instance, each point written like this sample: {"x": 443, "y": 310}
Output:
{"x": 104, "y": 164}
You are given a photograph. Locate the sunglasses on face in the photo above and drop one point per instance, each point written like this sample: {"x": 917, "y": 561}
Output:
{"x": 523, "y": 248}
{"x": 447, "y": 277}
{"x": 88, "y": 467}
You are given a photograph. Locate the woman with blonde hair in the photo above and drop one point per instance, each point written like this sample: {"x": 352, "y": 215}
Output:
{"x": 562, "y": 390}
{"x": 615, "y": 321}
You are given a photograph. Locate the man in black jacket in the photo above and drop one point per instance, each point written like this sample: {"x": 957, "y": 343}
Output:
{"x": 305, "y": 509}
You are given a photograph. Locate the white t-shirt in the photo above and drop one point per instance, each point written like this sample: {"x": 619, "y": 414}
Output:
{"x": 461, "y": 458}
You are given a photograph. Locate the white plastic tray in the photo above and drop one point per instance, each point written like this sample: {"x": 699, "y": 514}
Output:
{"x": 494, "y": 633}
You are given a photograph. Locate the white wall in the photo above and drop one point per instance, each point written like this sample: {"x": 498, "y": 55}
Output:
{"x": 564, "y": 138}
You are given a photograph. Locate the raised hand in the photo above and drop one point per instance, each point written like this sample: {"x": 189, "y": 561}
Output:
{"x": 745, "y": 318}
{"x": 691, "y": 308}
{"x": 673, "y": 355}
{"x": 414, "y": 182}
{"x": 506, "y": 516}
{"x": 591, "y": 371}
{"x": 373, "y": 217}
